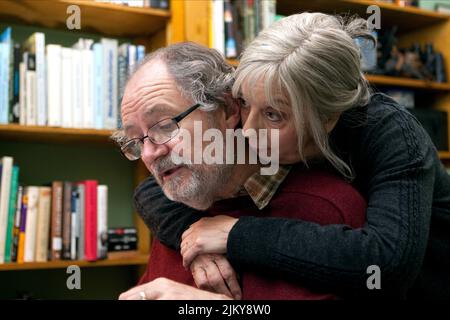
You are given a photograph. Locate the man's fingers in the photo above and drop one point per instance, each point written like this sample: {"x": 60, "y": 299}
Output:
{"x": 215, "y": 280}
{"x": 230, "y": 277}
{"x": 199, "y": 275}
{"x": 186, "y": 233}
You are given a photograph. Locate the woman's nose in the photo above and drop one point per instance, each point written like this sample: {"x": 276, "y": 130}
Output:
{"x": 250, "y": 122}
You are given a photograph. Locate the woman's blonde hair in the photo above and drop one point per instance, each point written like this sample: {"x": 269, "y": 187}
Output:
{"x": 313, "y": 58}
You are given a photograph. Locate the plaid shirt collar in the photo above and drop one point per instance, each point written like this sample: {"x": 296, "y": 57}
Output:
{"x": 261, "y": 188}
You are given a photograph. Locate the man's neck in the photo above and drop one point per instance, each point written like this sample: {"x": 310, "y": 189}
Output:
{"x": 238, "y": 177}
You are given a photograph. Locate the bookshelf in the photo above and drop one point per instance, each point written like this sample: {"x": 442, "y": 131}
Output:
{"x": 126, "y": 258}
{"x": 152, "y": 28}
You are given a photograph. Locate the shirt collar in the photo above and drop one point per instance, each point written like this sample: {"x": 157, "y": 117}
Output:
{"x": 262, "y": 188}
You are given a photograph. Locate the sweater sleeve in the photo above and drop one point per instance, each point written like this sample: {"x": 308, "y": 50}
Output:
{"x": 165, "y": 218}
{"x": 400, "y": 157}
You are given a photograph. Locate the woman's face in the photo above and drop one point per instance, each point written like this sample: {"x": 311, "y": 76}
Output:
{"x": 256, "y": 113}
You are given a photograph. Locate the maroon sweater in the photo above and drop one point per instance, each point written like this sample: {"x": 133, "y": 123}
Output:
{"x": 310, "y": 195}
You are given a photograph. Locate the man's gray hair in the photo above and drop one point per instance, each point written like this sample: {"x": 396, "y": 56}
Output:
{"x": 201, "y": 74}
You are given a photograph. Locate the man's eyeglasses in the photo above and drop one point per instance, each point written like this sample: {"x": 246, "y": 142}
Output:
{"x": 159, "y": 133}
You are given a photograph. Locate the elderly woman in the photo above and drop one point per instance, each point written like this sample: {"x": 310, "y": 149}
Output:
{"x": 302, "y": 76}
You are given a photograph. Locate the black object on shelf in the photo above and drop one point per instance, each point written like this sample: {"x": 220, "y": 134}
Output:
{"x": 436, "y": 125}
{"x": 122, "y": 239}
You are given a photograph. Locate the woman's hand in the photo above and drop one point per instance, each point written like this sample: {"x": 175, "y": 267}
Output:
{"x": 165, "y": 289}
{"x": 208, "y": 235}
{"x": 213, "y": 272}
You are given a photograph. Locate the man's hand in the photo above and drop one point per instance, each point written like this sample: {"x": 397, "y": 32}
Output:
{"x": 208, "y": 235}
{"x": 165, "y": 289}
{"x": 213, "y": 272}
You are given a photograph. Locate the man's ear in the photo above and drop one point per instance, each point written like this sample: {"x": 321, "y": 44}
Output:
{"x": 232, "y": 112}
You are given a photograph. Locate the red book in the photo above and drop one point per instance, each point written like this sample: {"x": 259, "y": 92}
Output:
{"x": 90, "y": 220}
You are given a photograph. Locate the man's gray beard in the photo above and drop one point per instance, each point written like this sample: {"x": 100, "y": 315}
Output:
{"x": 201, "y": 189}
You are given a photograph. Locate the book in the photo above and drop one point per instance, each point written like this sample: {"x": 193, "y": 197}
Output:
{"x": 23, "y": 221}
{"x": 90, "y": 220}
{"x": 102, "y": 221}
{"x": 11, "y": 213}
{"x": 56, "y": 217}
{"x": 43, "y": 224}
{"x": 31, "y": 223}
{"x": 35, "y": 44}
{"x": 5, "y": 75}
{"x": 67, "y": 220}
{"x": 54, "y": 81}
{"x": 67, "y": 107}
{"x": 17, "y": 221}
{"x": 110, "y": 86}
{"x": 5, "y": 189}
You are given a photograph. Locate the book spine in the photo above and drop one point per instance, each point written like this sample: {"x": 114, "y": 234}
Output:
{"x": 81, "y": 217}
{"x": 14, "y": 103}
{"x": 54, "y": 80}
{"x": 41, "y": 105}
{"x": 67, "y": 215}
{"x": 66, "y": 96}
{"x": 76, "y": 90}
{"x": 102, "y": 221}
{"x": 90, "y": 221}
{"x": 56, "y": 226}
{"x": 17, "y": 221}
{"x": 5, "y": 190}
{"x": 22, "y": 94}
{"x": 43, "y": 224}
{"x": 23, "y": 221}
{"x": 74, "y": 226}
{"x": 110, "y": 82}
{"x": 12, "y": 211}
{"x": 98, "y": 85}
{"x": 31, "y": 226}
{"x": 4, "y": 82}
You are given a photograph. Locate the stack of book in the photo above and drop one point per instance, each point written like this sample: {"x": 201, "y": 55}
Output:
{"x": 64, "y": 220}
{"x": 157, "y": 4}
{"x": 50, "y": 85}
{"x": 235, "y": 23}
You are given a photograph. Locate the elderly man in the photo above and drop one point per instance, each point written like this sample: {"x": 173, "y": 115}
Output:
{"x": 174, "y": 88}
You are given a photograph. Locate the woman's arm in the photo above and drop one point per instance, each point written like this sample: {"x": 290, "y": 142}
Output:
{"x": 400, "y": 158}
{"x": 165, "y": 218}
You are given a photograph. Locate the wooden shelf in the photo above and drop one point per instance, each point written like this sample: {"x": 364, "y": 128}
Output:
{"x": 407, "y": 83}
{"x": 15, "y": 132}
{"x": 444, "y": 155}
{"x": 114, "y": 259}
{"x": 394, "y": 81}
{"x": 407, "y": 18}
{"x": 104, "y": 18}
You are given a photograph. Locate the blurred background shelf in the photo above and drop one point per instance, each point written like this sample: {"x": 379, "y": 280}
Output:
{"x": 15, "y": 132}
{"x": 114, "y": 259}
{"x": 122, "y": 21}
{"x": 406, "y": 18}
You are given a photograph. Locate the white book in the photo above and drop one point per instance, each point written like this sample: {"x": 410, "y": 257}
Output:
{"x": 218, "y": 26}
{"x": 98, "y": 85}
{"x": 30, "y": 98}
{"x": 66, "y": 88}
{"x": 54, "y": 85}
{"x": 132, "y": 55}
{"x": 40, "y": 80}
{"x": 5, "y": 189}
{"x": 31, "y": 224}
{"x": 87, "y": 87}
{"x": 268, "y": 9}
{"x": 102, "y": 221}
{"x": 77, "y": 106}
{"x": 22, "y": 94}
{"x": 43, "y": 224}
{"x": 110, "y": 85}
{"x": 74, "y": 228}
{"x": 80, "y": 214}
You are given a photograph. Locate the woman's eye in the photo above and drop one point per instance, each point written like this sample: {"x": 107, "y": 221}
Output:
{"x": 273, "y": 116}
{"x": 243, "y": 103}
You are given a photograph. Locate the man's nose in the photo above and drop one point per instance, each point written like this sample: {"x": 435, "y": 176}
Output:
{"x": 151, "y": 151}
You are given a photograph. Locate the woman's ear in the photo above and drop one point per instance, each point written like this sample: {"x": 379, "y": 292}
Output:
{"x": 232, "y": 112}
{"x": 331, "y": 123}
